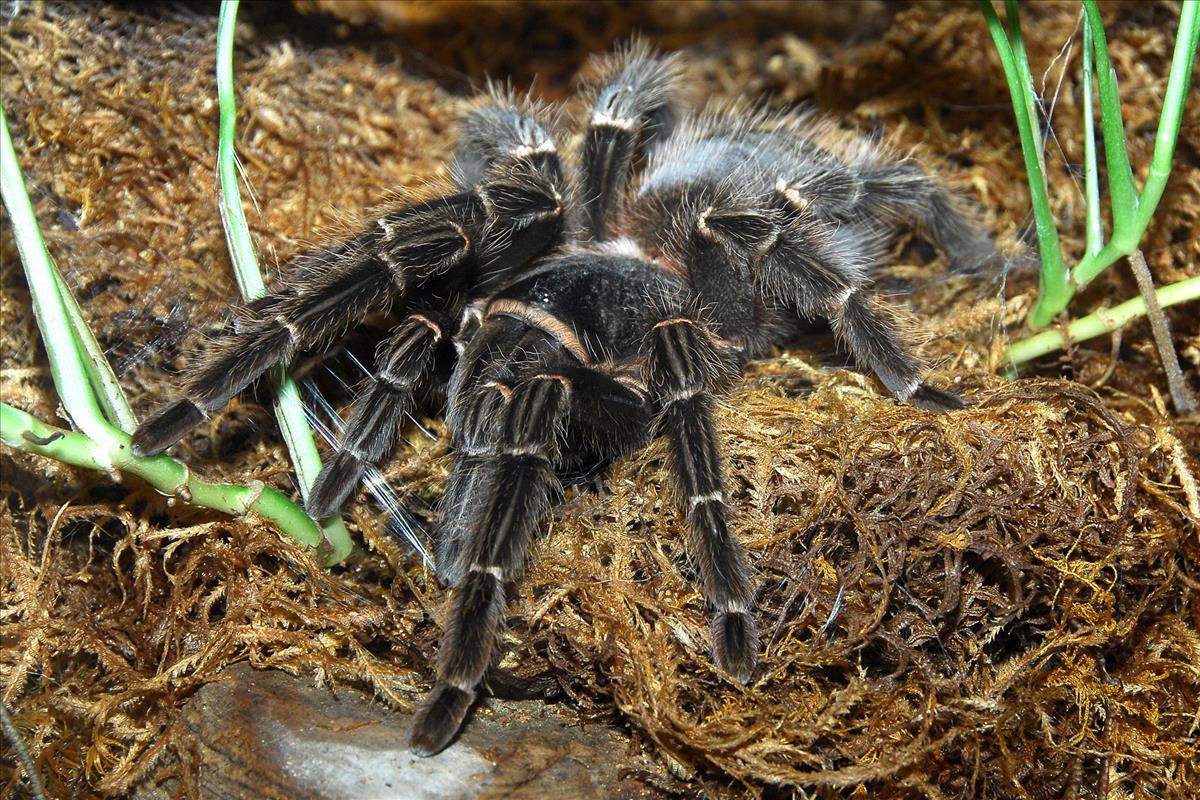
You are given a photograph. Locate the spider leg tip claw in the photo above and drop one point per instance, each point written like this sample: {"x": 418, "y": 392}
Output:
{"x": 735, "y": 644}
{"x": 438, "y": 719}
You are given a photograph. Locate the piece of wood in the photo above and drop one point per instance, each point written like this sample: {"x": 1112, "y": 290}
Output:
{"x": 270, "y": 735}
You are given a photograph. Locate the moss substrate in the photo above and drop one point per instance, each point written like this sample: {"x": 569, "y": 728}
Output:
{"x": 1000, "y": 602}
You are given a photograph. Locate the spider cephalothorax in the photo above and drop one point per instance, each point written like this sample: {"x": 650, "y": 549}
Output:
{"x": 591, "y": 303}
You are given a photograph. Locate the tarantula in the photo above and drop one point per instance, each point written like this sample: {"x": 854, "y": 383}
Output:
{"x": 587, "y": 304}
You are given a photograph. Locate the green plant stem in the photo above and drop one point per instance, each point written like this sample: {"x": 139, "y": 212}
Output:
{"x": 1121, "y": 191}
{"x": 1091, "y": 173}
{"x": 34, "y": 256}
{"x": 105, "y": 386}
{"x": 1187, "y": 37}
{"x": 1016, "y": 41}
{"x": 289, "y": 409}
{"x": 25, "y": 432}
{"x": 1131, "y": 215}
{"x": 237, "y": 231}
{"x": 66, "y": 362}
{"x": 1183, "y": 61}
{"x": 1055, "y": 289}
{"x": 1100, "y": 322}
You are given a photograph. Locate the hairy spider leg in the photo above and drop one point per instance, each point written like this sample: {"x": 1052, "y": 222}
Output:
{"x": 506, "y": 130}
{"x": 866, "y": 327}
{"x": 517, "y": 485}
{"x": 463, "y": 483}
{"x": 712, "y": 204}
{"x": 405, "y": 360}
{"x": 743, "y": 237}
{"x": 402, "y": 250}
{"x": 813, "y": 166}
{"x": 609, "y": 418}
{"x": 503, "y": 483}
{"x": 500, "y": 136}
{"x": 490, "y": 230}
{"x": 893, "y": 194}
{"x": 684, "y": 366}
{"x": 635, "y": 107}
{"x": 875, "y": 343}
{"x": 492, "y": 362}
{"x": 903, "y": 193}
{"x": 820, "y": 267}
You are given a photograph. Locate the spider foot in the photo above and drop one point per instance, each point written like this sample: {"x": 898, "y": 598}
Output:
{"x": 166, "y": 427}
{"x": 932, "y": 398}
{"x": 335, "y": 483}
{"x": 735, "y": 644}
{"x": 438, "y": 719}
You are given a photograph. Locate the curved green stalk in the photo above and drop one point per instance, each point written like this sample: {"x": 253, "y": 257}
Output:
{"x": 1091, "y": 173}
{"x": 289, "y": 409}
{"x": 105, "y": 386}
{"x": 1183, "y": 62}
{"x": 25, "y": 432}
{"x": 1055, "y": 289}
{"x": 1100, "y": 322}
{"x": 66, "y": 362}
{"x": 1121, "y": 191}
{"x": 1012, "y": 13}
{"x": 50, "y": 294}
{"x": 233, "y": 218}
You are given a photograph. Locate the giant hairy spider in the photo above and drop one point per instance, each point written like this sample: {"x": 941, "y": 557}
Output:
{"x": 591, "y": 303}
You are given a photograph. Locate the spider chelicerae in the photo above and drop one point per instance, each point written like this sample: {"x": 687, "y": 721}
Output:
{"x": 587, "y": 304}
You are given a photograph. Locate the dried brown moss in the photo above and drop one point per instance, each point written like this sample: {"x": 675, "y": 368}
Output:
{"x": 1000, "y": 602}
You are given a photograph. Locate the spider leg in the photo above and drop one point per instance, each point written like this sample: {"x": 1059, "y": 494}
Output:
{"x": 810, "y": 263}
{"x": 402, "y": 250}
{"x": 813, "y": 265}
{"x": 821, "y": 268}
{"x": 513, "y": 215}
{"x": 904, "y": 192}
{"x": 634, "y": 109}
{"x": 517, "y": 484}
{"x": 611, "y": 417}
{"x": 475, "y": 445}
{"x": 502, "y": 131}
{"x": 683, "y": 367}
{"x": 875, "y": 342}
{"x": 894, "y": 193}
{"x": 932, "y": 398}
{"x": 740, "y": 249}
{"x": 463, "y": 483}
{"x": 478, "y": 392}
{"x": 404, "y": 361}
